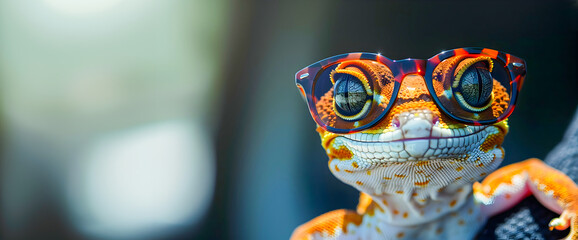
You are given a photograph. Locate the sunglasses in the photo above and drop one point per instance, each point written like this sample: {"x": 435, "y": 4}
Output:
{"x": 352, "y": 92}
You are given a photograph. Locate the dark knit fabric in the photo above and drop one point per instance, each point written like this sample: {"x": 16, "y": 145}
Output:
{"x": 529, "y": 219}
{"x": 565, "y": 156}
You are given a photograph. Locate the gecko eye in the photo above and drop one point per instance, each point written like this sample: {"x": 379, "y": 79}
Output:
{"x": 351, "y": 99}
{"x": 474, "y": 87}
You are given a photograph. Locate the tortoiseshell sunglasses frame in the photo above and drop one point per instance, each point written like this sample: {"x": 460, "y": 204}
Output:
{"x": 305, "y": 80}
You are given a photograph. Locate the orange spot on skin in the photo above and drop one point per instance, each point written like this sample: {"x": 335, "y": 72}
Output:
{"x": 460, "y": 168}
{"x": 364, "y": 202}
{"x": 400, "y": 235}
{"x": 460, "y": 190}
{"x": 368, "y": 172}
{"x": 385, "y": 202}
{"x": 328, "y": 223}
{"x": 359, "y": 183}
{"x": 348, "y": 171}
{"x": 395, "y": 212}
{"x": 439, "y": 168}
{"x": 461, "y": 222}
{"x": 421, "y": 184}
{"x": 378, "y": 230}
{"x": 342, "y": 153}
{"x": 480, "y": 163}
{"x": 405, "y": 215}
{"x": 414, "y": 194}
{"x": 354, "y": 164}
{"x": 399, "y": 175}
{"x": 399, "y": 192}
{"x": 421, "y": 163}
{"x": 453, "y": 203}
{"x": 336, "y": 168}
{"x": 458, "y": 178}
{"x": 507, "y": 196}
{"x": 367, "y": 205}
{"x": 483, "y": 174}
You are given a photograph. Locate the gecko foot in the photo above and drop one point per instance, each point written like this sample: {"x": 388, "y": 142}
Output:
{"x": 566, "y": 219}
{"x": 559, "y": 224}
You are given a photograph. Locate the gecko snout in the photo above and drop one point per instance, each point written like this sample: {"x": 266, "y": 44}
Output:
{"x": 416, "y": 123}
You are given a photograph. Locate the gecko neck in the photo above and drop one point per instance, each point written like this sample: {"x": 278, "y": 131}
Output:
{"x": 399, "y": 210}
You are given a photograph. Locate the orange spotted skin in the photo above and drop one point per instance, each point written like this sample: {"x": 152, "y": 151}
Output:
{"x": 417, "y": 169}
{"x": 327, "y": 225}
{"x": 341, "y": 153}
{"x": 551, "y": 187}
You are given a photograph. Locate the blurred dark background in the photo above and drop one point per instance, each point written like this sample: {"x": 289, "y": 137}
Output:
{"x": 200, "y": 96}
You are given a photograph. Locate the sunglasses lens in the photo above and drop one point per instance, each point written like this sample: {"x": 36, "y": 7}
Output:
{"x": 351, "y": 95}
{"x": 475, "y": 88}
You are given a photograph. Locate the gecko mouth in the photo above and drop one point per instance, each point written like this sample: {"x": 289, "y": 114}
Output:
{"x": 440, "y": 143}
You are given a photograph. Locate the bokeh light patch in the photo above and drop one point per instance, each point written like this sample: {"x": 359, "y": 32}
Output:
{"x": 143, "y": 181}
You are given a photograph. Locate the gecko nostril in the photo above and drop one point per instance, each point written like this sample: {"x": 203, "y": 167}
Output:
{"x": 435, "y": 119}
{"x": 395, "y": 122}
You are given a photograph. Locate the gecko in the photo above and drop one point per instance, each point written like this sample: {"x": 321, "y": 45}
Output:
{"x": 415, "y": 136}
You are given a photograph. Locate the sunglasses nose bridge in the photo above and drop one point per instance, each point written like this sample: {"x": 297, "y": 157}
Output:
{"x": 409, "y": 67}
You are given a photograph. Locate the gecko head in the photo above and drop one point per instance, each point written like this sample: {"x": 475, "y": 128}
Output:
{"x": 415, "y": 150}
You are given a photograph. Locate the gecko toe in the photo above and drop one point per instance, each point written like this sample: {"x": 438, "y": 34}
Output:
{"x": 558, "y": 223}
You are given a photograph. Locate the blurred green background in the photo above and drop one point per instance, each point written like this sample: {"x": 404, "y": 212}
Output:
{"x": 180, "y": 119}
